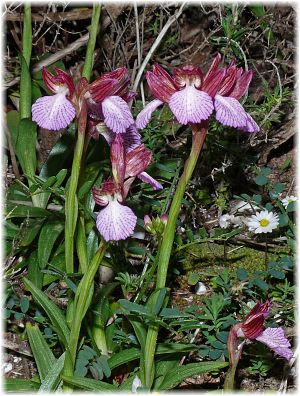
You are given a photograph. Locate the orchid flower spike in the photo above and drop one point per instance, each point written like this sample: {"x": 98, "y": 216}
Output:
{"x": 117, "y": 221}
{"x": 57, "y": 111}
{"x": 252, "y": 328}
{"x": 193, "y": 96}
{"x": 104, "y": 99}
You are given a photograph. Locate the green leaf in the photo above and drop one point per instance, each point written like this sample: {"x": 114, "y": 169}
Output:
{"x": 49, "y": 234}
{"x": 265, "y": 171}
{"x": 242, "y": 274}
{"x": 139, "y": 330}
{"x": 279, "y": 187}
{"x": 283, "y": 220}
{"x": 261, "y": 180}
{"x": 269, "y": 206}
{"x": 52, "y": 379}
{"x": 174, "y": 348}
{"x": 17, "y": 210}
{"x": 215, "y": 354}
{"x": 31, "y": 230}
{"x": 261, "y": 284}
{"x": 292, "y": 207}
{"x": 277, "y": 274}
{"x": 43, "y": 355}
{"x": 257, "y": 198}
{"x": 258, "y": 10}
{"x": 89, "y": 384}
{"x": 24, "y": 304}
{"x": 11, "y": 230}
{"x": 193, "y": 278}
{"x": 92, "y": 244}
{"x": 25, "y": 146}
{"x": 13, "y": 119}
{"x": 159, "y": 300}
{"x": 123, "y": 357}
{"x": 17, "y": 385}
{"x": 176, "y": 376}
{"x": 55, "y": 315}
{"x": 133, "y": 307}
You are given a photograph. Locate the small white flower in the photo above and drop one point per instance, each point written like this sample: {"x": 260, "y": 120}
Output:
{"x": 288, "y": 199}
{"x": 263, "y": 222}
{"x": 225, "y": 220}
{"x": 136, "y": 384}
{"x": 200, "y": 289}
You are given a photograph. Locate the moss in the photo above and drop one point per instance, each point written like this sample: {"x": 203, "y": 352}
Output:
{"x": 209, "y": 257}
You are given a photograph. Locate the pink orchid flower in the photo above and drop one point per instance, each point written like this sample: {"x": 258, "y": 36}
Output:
{"x": 193, "y": 96}
{"x": 117, "y": 221}
{"x": 57, "y": 111}
{"x": 106, "y": 98}
{"x": 251, "y": 328}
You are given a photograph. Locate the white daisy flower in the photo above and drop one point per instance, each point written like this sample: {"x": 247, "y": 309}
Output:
{"x": 263, "y": 222}
{"x": 225, "y": 220}
{"x": 288, "y": 199}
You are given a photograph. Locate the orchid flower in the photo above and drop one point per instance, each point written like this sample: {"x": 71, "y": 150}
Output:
{"x": 131, "y": 140}
{"x": 251, "y": 328}
{"x": 193, "y": 96}
{"x": 57, "y": 111}
{"x": 117, "y": 221}
{"x": 106, "y": 99}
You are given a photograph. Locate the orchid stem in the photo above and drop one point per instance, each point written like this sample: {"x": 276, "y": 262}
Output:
{"x": 164, "y": 254}
{"x": 71, "y": 198}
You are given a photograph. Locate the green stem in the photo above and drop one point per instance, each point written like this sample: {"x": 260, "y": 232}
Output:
{"x": 71, "y": 207}
{"x": 82, "y": 302}
{"x": 25, "y": 81}
{"x": 89, "y": 56}
{"x": 199, "y": 134}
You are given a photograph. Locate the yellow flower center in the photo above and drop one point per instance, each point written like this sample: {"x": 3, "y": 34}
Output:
{"x": 264, "y": 222}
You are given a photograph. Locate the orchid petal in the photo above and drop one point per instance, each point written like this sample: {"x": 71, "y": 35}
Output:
{"x": 251, "y": 125}
{"x": 241, "y": 85}
{"x": 132, "y": 138}
{"x": 161, "y": 84}
{"x": 116, "y": 222}
{"x": 191, "y": 105}
{"x": 230, "y": 112}
{"x": 144, "y": 116}
{"x": 148, "y": 179}
{"x": 53, "y": 112}
{"x": 117, "y": 115}
{"x": 275, "y": 339}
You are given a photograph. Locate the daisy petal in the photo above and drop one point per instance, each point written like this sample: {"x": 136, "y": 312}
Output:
{"x": 148, "y": 179}
{"x": 144, "y": 116}
{"x": 275, "y": 339}
{"x": 191, "y": 105}
{"x": 53, "y": 112}
{"x": 116, "y": 222}
{"x": 117, "y": 115}
{"x": 230, "y": 112}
